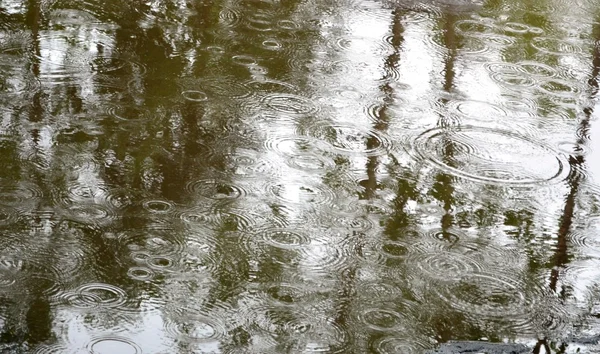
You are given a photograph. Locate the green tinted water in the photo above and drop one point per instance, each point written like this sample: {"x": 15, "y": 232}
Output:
{"x": 299, "y": 176}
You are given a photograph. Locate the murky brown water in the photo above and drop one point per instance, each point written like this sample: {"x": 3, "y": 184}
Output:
{"x": 256, "y": 176}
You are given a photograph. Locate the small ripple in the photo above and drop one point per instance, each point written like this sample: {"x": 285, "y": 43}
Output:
{"x": 272, "y": 44}
{"x": 383, "y": 319}
{"x": 474, "y": 27}
{"x": 513, "y": 159}
{"x": 477, "y": 110}
{"x": 352, "y": 223}
{"x": 215, "y": 190}
{"x": 285, "y": 294}
{"x": 95, "y": 295}
{"x": 219, "y": 88}
{"x": 119, "y": 198}
{"x": 190, "y": 326}
{"x": 160, "y": 240}
{"x": 22, "y": 197}
{"x": 8, "y": 215}
{"x": 287, "y": 25}
{"x": 560, "y": 88}
{"x": 404, "y": 345}
{"x": 244, "y": 60}
{"x": 556, "y": 46}
{"x": 289, "y": 104}
{"x": 349, "y": 139}
{"x": 194, "y": 96}
{"x": 283, "y": 238}
{"x": 537, "y": 69}
{"x": 270, "y": 86}
{"x": 310, "y": 162}
{"x": 301, "y": 193}
{"x": 223, "y": 216}
{"x": 113, "y": 344}
{"x": 250, "y": 163}
{"x": 140, "y": 273}
{"x": 129, "y": 113}
{"x": 444, "y": 266}
{"x": 290, "y": 146}
{"x": 492, "y": 296}
{"x": 309, "y": 333}
{"x": 89, "y": 213}
{"x": 157, "y": 206}
{"x": 260, "y": 22}
{"x": 229, "y": 17}
{"x": 51, "y": 349}
{"x": 513, "y": 81}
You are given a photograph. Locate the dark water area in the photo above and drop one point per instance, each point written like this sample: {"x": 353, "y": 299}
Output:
{"x": 338, "y": 176}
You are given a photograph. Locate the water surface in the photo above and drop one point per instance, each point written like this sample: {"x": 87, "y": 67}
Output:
{"x": 253, "y": 176}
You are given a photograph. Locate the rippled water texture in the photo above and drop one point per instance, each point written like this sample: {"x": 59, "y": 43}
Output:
{"x": 252, "y": 176}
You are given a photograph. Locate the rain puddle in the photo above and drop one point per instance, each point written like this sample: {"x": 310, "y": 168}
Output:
{"x": 347, "y": 176}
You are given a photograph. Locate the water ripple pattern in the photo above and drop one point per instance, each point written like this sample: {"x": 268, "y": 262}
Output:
{"x": 514, "y": 159}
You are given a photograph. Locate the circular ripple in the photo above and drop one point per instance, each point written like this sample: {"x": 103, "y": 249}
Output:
{"x": 348, "y": 139}
{"x": 113, "y": 344}
{"x": 194, "y": 96}
{"x": 289, "y": 104}
{"x": 156, "y": 206}
{"x": 129, "y": 113}
{"x": 478, "y": 110}
{"x": 8, "y": 215}
{"x": 380, "y": 319}
{"x": 310, "y": 333}
{"x": 302, "y": 193}
{"x": 473, "y": 27}
{"x": 140, "y": 273}
{"x": 556, "y": 46}
{"x": 87, "y": 213}
{"x": 154, "y": 241}
{"x": 94, "y": 295}
{"x": 491, "y": 156}
{"x": 189, "y": 326}
{"x": 213, "y": 189}
{"x": 560, "y": 88}
{"x": 285, "y": 294}
{"x": 283, "y": 238}
{"x": 22, "y": 197}
{"x": 537, "y": 69}
{"x": 444, "y": 266}
{"x": 492, "y": 296}
{"x": 395, "y": 345}
{"x": 229, "y": 17}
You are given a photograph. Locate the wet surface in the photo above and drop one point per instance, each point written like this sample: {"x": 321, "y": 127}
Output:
{"x": 255, "y": 176}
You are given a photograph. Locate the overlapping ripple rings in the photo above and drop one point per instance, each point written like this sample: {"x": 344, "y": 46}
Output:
{"x": 491, "y": 156}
